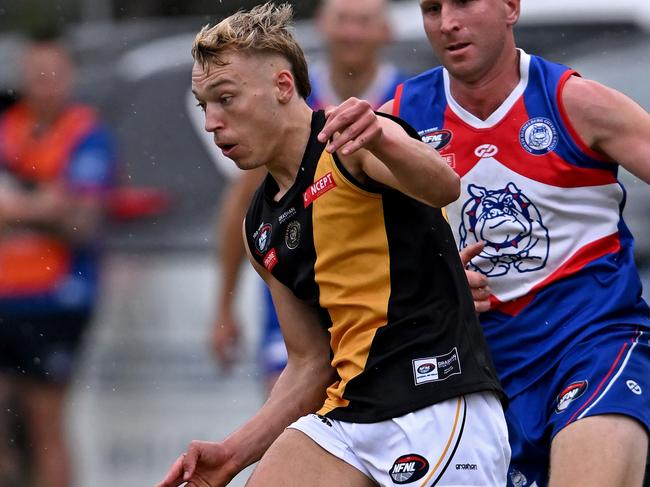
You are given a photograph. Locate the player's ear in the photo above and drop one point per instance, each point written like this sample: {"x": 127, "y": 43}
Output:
{"x": 513, "y": 9}
{"x": 285, "y": 85}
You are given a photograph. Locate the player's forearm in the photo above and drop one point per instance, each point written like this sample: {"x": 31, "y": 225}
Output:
{"x": 418, "y": 169}
{"x": 300, "y": 390}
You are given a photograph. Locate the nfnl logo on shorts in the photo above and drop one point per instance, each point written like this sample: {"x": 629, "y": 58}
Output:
{"x": 270, "y": 260}
{"x": 433, "y": 369}
{"x": 409, "y": 468}
{"x": 318, "y": 189}
{"x": 570, "y": 394}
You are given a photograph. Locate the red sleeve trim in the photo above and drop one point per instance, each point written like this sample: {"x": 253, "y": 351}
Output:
{"x": 565, "y": 118}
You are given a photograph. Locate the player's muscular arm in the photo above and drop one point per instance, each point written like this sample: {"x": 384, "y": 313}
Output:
{"x": 390, "y": 155}
{"x": 610, "y": 123}
{"x": 299, "y": 391}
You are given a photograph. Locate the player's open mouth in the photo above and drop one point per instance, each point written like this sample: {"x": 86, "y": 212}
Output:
{"x": 457, "y": 46}
{"x": 227, "y": 148}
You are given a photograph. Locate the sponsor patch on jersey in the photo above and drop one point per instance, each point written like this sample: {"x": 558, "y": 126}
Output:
{"x": 262, "y": 238}
{"x": 433, "y": 369}
{"x": 292, "y": 235}
{"x": 538, "y": 136}
{"x": 450, "y": 159}
{"x": 409, "y": 468}
{"x": 570, "y": 394}
{"x": 485, "y": 151}
{"x": 318, "y": 189}
{"x": 438, "y": 139}
{"x": 634, "y": 387}
{"x": 286, "y": 215}
{"x": 270, "y": 260}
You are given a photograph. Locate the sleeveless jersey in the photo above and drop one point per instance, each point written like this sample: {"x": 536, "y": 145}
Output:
{"x": 383, "y": 274}
{"x": 557, "y": 252}
{"x": 41, "y": 272}
{"x": 379, "y": 92}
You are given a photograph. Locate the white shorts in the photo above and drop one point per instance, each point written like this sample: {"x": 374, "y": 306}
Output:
{"x": 457, "y": 443}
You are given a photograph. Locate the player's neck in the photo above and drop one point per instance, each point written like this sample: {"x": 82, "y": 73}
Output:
{"x": 291, "y": 143}
{"x": 484, "y": 96}
{"x": 348, "y": 82}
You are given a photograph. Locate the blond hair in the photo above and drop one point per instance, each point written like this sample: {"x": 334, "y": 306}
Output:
{"x": 263, "y": 29}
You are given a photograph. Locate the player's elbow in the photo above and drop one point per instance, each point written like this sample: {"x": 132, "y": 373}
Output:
{"x": 448, "y": 189}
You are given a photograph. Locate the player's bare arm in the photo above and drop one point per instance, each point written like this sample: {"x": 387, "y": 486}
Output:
{"x": 391, "y": 156}
{"x": 299, "y": 391}
{"x": 610, "y": 123}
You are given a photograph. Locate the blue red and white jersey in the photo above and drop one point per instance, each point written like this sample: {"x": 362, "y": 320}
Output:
{"x": 558, "y": 255}
{"x": 379, "y": 92}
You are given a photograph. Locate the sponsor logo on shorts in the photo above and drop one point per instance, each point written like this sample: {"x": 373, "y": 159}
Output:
{"x": 466, "y": 466}
{"x": 318, "y": 189}
{"x": 570, "y": 394}
{"x": 262, "y": 238}
{"x": 438, "y": 138}
{"x": 634, "y": 387}
{"x": 433, "y": 369}
{"x": 292, "y": 235}
{"x": 409, "y": 468}
{"x": 324, "y": 420}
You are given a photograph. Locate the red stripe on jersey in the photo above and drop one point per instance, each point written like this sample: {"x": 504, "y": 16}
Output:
{"x": 398, "y": 99}
{"x": 549, "y": 168}
{"x": 567, "y": 122}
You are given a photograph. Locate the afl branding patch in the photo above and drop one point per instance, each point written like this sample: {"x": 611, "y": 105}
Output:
{"x": 409, "y": 468}
{"x": 570, "y": 394}
{"x": 292, "y": 235}
{"x": 262, "y": 238}
{"x": 434, "y": 369}
{"x": 437, "y": 139}
{"x": 538, "y": 136}
{"x": 318, "y": 189}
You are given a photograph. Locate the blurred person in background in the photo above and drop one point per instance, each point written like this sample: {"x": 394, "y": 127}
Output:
{"x": 57, "y": 163}
{"x": 354, "y": 33}
{"x": 538, "y": 148}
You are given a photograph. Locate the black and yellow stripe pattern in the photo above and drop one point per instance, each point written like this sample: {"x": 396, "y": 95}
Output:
{"x": 384, "y": 273}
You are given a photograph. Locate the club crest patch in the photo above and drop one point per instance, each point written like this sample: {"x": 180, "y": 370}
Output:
{"x": 538, "y": 136}
{"x": 262, "y": 238}
{"x": 292, "y": 235}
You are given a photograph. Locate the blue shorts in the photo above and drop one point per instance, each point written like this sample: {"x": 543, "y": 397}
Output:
{"x": 272, "y": 351}
{"x": 42, "y": 348}
{"x": 606, "y": 374}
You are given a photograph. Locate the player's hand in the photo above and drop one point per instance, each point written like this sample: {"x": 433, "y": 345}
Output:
{"x": 351, "y": 126}
{"x": 478, "y": 283}
{"x": 225, "y": 340}
{"x": 204, "y": 464}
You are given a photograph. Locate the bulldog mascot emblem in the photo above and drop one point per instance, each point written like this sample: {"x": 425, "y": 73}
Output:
{"x": 511, "y": 227}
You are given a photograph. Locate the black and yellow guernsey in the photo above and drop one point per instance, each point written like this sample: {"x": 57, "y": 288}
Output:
{"x": 383, "y": 272}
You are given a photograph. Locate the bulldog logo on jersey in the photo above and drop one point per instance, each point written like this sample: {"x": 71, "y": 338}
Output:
{"x": 511, "y": 227}
{"x": 538, "y": 136}
{"x": 262, "y": 238}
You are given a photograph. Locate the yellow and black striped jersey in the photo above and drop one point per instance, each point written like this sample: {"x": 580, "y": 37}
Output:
{"x": 383, "y": 272}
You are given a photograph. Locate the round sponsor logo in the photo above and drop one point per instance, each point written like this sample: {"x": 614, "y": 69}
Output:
{"x": 486, "y": 151}
{"x": 426, "y": 368}
{"x": 262, "y": 238}
{"x": 438, "y": 138}
{"x": 538, "y": 136}
{"x": 409, "y": 468}
{"x": 570, "y": 394}
{"x": 292, "y": 235}
{"x": 634, "y": 387}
